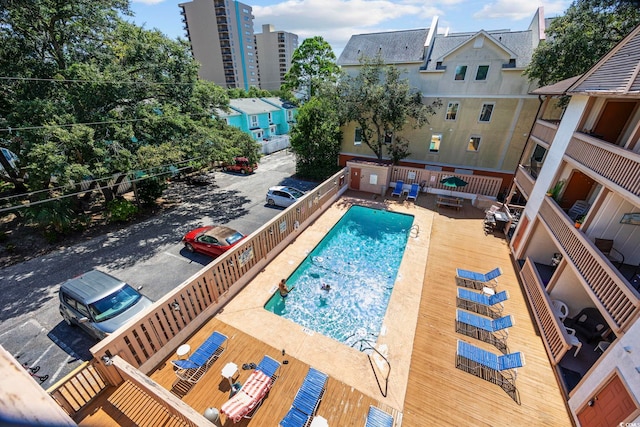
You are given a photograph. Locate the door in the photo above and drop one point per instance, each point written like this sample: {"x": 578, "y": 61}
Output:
{"x": 355, "y": 178}
{"x": 613, "y": 119}
{"x": 578, "y": 188}
{"x": 609, "y": 407}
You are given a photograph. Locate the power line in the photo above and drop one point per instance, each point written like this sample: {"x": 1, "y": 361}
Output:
{"x": 133, "y": 82}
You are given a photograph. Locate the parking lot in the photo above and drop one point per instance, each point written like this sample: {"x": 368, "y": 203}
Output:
{"x": 147, "y": 254}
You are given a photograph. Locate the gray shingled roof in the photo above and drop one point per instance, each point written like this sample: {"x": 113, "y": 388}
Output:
{"x": 396, "y": 47}
{"x": 617, "y": 72}
{"x": 520, "y": 43}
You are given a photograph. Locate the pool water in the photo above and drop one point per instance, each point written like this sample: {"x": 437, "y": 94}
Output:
{"x": 359, "y": 259}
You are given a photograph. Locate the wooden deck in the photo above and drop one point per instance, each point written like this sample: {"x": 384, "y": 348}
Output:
{"x": 436, "y": 393}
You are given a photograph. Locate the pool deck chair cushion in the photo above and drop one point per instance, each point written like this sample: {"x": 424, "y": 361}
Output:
{"x": 307, "y": 399}
{"x": 246, "y": 402}
{"x": 481, "y": 303}
{"x": 500, "y": 370}
{"x": 474, "y": 280}
{"x": 398, "y": 190}
{"x": 378, "y": 418}
{"x": 413, "y": 192}
{"x": 194, "y": 367}
{"x": 491, "y": 331}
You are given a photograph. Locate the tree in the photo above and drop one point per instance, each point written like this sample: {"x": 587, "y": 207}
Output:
{"x": 381, "y": 103}
{"x": 578, "y": 39}
{"x": 91, "y": 96}
{"x": 313, "y": 62}
{"x": 316, "y": 137}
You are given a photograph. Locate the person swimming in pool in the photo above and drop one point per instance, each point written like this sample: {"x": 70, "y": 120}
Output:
{"x": 284, "y": 290}
{"x": 325, "y": 287}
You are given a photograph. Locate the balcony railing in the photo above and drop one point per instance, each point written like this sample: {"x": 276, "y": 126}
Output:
{"x": 554, "y": 334}
{"x": 609, "y": 287}
{"x": 620, "y": 166}
{"x": 476, "y": 184}
{"x": 544, "y": 131}
{"x": 524, "y": 181}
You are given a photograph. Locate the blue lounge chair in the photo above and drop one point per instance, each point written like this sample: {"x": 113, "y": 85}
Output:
{"x": 378, "y": 418}
{"x": 494, "y": 332}
{"x": 413, "y": 192}
{"x": 398, "y": 190}
{"x": 481, "y": 303}
{"x": 194, "y": 368}
{"x": 500, "y": 370}
{"x": 307, "y": 399}
{"x": 473, "y": 280}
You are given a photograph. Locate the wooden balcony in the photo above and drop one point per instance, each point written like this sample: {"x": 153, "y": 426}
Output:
{"x": 544, "y": 131}
{"x": 618, "y": 302}
{"x": 554, "y": 334}
{"x": 524, "y": 181}
{"x": 621, "y": 167}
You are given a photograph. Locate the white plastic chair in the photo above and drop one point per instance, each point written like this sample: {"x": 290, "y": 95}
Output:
{"x": 561, "y": 308}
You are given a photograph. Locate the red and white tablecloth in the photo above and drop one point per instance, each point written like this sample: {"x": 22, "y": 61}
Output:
{"x": 251, "y": 393}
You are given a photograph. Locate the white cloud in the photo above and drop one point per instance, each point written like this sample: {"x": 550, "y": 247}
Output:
{"x": 518, "y": 9}
{"x": 150, "y": 2}
{"x": 337, "y": 20}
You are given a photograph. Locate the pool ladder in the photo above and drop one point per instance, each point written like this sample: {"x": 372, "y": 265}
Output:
{"x": 366, "y": 345}
{"x": 414, "y": 231}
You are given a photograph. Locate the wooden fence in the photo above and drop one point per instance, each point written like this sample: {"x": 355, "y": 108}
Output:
{"x": 430, "y": 181}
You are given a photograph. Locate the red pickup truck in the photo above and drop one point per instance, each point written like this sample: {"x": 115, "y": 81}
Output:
{"x": 241, "y": 165}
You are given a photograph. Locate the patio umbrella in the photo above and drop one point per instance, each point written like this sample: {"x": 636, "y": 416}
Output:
{"x": 453, "y": 182}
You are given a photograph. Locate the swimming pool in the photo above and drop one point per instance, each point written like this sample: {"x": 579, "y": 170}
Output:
{"x": 359, "y": 259}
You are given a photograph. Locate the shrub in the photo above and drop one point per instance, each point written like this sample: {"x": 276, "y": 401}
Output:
{"x": 120, "y": 210}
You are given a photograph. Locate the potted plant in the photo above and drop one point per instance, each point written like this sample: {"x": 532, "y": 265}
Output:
{"x": 554, "y": 192}
{"x": 579, "y": 221}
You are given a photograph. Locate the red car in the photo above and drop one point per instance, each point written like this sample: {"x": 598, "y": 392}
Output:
{"x": 212, "y": 240}
{"x": 241, "y": 165}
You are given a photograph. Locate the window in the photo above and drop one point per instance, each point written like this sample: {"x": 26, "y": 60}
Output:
{"x": 270, "y": 118}
{"x": 452, "y": 110}
{"x": 289, "y": 115}
{"x": 254, "y": 121}
{"x": 461, "y": 71}
{"x": 485, "y": 113}
{"x": 357, "y": 140}
{"x": 482, "y": 72}
{"x": 434, "y": 145}
{"x": 474, "y": 143}
{"x": 388, "y": 137}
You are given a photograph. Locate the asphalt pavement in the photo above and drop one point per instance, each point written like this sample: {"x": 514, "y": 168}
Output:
{"x": 147, "y": 254}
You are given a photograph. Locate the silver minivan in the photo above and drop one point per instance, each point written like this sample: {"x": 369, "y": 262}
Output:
{"x": 99, "y": 303}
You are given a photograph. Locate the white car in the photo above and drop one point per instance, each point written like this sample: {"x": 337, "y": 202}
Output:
{"x": 283, "y": 196}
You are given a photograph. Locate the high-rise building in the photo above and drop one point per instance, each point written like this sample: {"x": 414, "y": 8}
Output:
{"x": 222, "y": 41}
{"x": 275, "y": 50}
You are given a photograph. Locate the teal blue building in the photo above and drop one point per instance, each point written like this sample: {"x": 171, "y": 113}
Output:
{"x": 262, "y": 118}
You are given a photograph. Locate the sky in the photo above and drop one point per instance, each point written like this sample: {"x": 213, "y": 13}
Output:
{"x": 337, "y": 20}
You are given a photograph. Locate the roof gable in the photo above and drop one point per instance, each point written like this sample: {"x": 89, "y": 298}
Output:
{"x": 617, "y": 72}
{"x": 472, "y": 40}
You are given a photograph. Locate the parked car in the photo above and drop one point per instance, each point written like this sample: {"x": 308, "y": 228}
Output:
{"x": 241, "y": 165}
{"x": 212, "y": 240}
{"x": 283, "y": 196}
{"x": 99, "y": 303}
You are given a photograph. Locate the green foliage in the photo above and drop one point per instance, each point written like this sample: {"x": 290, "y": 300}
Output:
{"x": 54, "y": 217}
{"x": 382, "y": 104}
{"x": 578, "y": 39}
{"x": 253, "y": 92}
{"x": 120, "y": 210}
{"x": 554, "y": 192}
{"x": 313, "y": 62}
{"x": 150, "y": 189}
{"x": 315, "y": 139}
